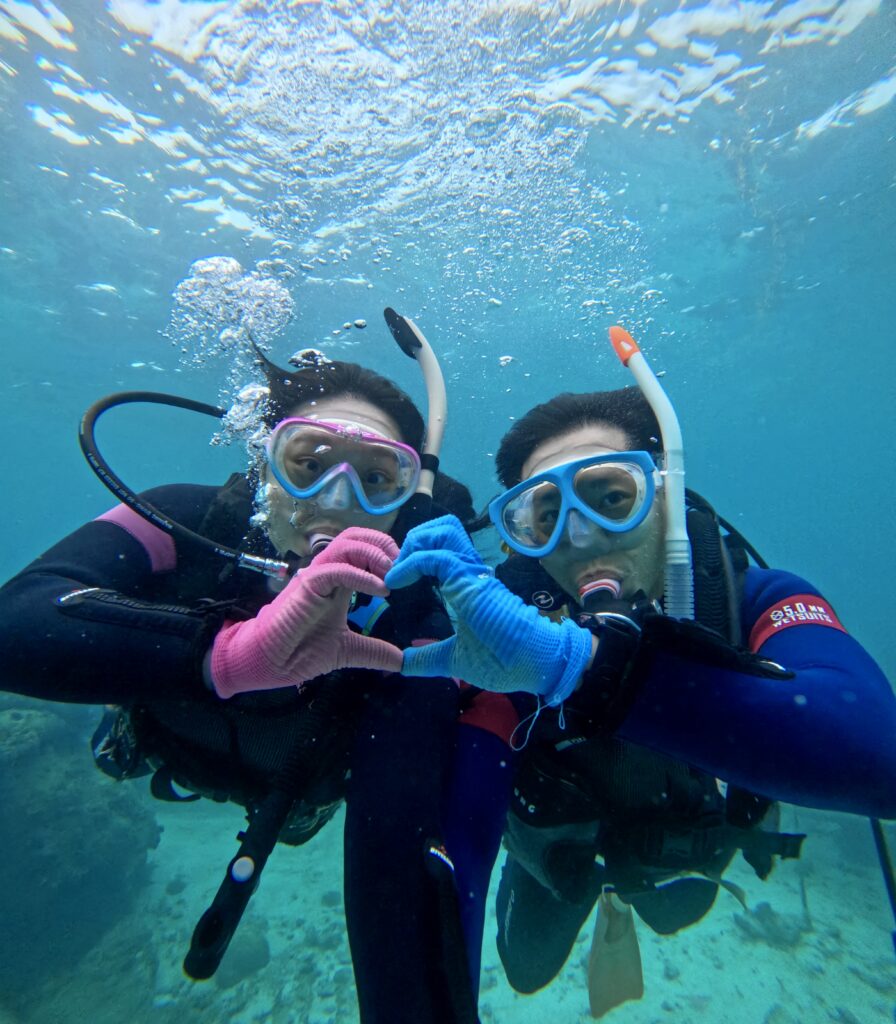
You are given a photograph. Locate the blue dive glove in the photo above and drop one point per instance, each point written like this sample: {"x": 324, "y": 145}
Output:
{"x": 502, "y": 644}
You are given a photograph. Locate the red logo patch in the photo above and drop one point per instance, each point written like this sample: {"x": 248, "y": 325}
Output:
{"x": 799, "y": 610}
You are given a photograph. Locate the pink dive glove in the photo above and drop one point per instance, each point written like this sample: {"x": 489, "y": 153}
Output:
{"x": 303, "y": 632}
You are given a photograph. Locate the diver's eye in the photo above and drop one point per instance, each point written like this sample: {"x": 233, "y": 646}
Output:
{"x": 614, "y": 500}
{"x": 547, "y": 519}
{"x": 305, "y": 470}
{"x": 377, "y": 478}
{"x": 615, "y": 503}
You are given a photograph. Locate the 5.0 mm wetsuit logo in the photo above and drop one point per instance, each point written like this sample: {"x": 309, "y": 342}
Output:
{"x": 799, "y": 610}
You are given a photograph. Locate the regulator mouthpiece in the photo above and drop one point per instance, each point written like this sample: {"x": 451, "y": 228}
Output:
{"x": 318, "y": 542}
{"x": 598, "y": 591}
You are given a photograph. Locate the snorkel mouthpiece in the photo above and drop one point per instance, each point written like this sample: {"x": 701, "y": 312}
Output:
{"x": 678, "y": 600}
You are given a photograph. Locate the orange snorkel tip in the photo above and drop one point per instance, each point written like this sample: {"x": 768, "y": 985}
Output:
{"x": 624, "y": 345}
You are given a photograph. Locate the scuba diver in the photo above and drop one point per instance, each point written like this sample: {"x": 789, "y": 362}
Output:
{"x": 278, "y": 688}
{"x": 659, "y": 663}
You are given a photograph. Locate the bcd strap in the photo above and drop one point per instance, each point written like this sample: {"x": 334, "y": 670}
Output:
{"x": 745, "y": 809}
{"x": 704, "y": 849}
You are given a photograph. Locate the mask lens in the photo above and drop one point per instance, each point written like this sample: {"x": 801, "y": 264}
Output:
{"x": 302, "y": 455}
{"x": 384, "y": 475}
{"x": 304, "y": 459}
{"x": 614, "y": 491}
{"x": 531, "y": 517}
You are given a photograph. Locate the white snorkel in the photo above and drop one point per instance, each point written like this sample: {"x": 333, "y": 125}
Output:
{"x": 411, "y": 341}
{"x": 678, "y": 599}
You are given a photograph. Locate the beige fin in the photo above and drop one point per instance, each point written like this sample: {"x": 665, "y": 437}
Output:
{"x": 614, "y": 964}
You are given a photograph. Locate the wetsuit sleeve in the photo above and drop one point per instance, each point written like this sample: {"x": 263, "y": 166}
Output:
{"x": 87, "y": 622}
{"x": 822, "y": 736}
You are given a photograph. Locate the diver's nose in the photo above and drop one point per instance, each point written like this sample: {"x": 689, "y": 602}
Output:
{"x": 582, "y": 533}
{"x": 337, "y": 495}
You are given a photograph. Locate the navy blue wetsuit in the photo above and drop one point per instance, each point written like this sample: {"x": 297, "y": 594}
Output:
{"x": 823, "y": 738}
{"x": 120, "y": 613}
{"x": 640, "y": 793}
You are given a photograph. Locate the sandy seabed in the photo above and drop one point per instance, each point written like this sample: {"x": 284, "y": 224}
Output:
{"x": 814, "y": 946}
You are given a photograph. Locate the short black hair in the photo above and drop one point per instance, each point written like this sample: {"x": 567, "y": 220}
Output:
{"x": 327, "y": 378}
{"x": 625, "y": 408}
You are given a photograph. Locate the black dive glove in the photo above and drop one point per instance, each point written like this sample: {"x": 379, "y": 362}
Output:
{"x": 632, "y": 636}
{"x": 607, "y": 690}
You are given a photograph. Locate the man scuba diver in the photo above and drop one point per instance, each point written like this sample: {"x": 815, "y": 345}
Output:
{"x": 641, "y": 700}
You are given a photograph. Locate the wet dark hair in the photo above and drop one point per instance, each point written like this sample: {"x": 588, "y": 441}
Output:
{"x": 320, "y": 378}
{"x": 626, "y": 408}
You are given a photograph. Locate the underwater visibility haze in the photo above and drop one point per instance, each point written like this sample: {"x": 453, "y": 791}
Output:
{"x": 517, "y": 176}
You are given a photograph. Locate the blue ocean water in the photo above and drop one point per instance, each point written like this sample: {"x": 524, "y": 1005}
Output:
{"x": 516, "y": 176}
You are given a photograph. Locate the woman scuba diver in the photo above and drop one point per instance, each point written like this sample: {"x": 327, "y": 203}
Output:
{"x": 277, "y": 689}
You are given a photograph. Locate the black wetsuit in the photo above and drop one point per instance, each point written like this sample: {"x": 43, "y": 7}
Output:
{"x": 119, "y": 613}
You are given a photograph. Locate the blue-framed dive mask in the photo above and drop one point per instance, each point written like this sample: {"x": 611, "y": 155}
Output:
{"x": 614, "y": 491}
{"x": 341, "y": 464}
